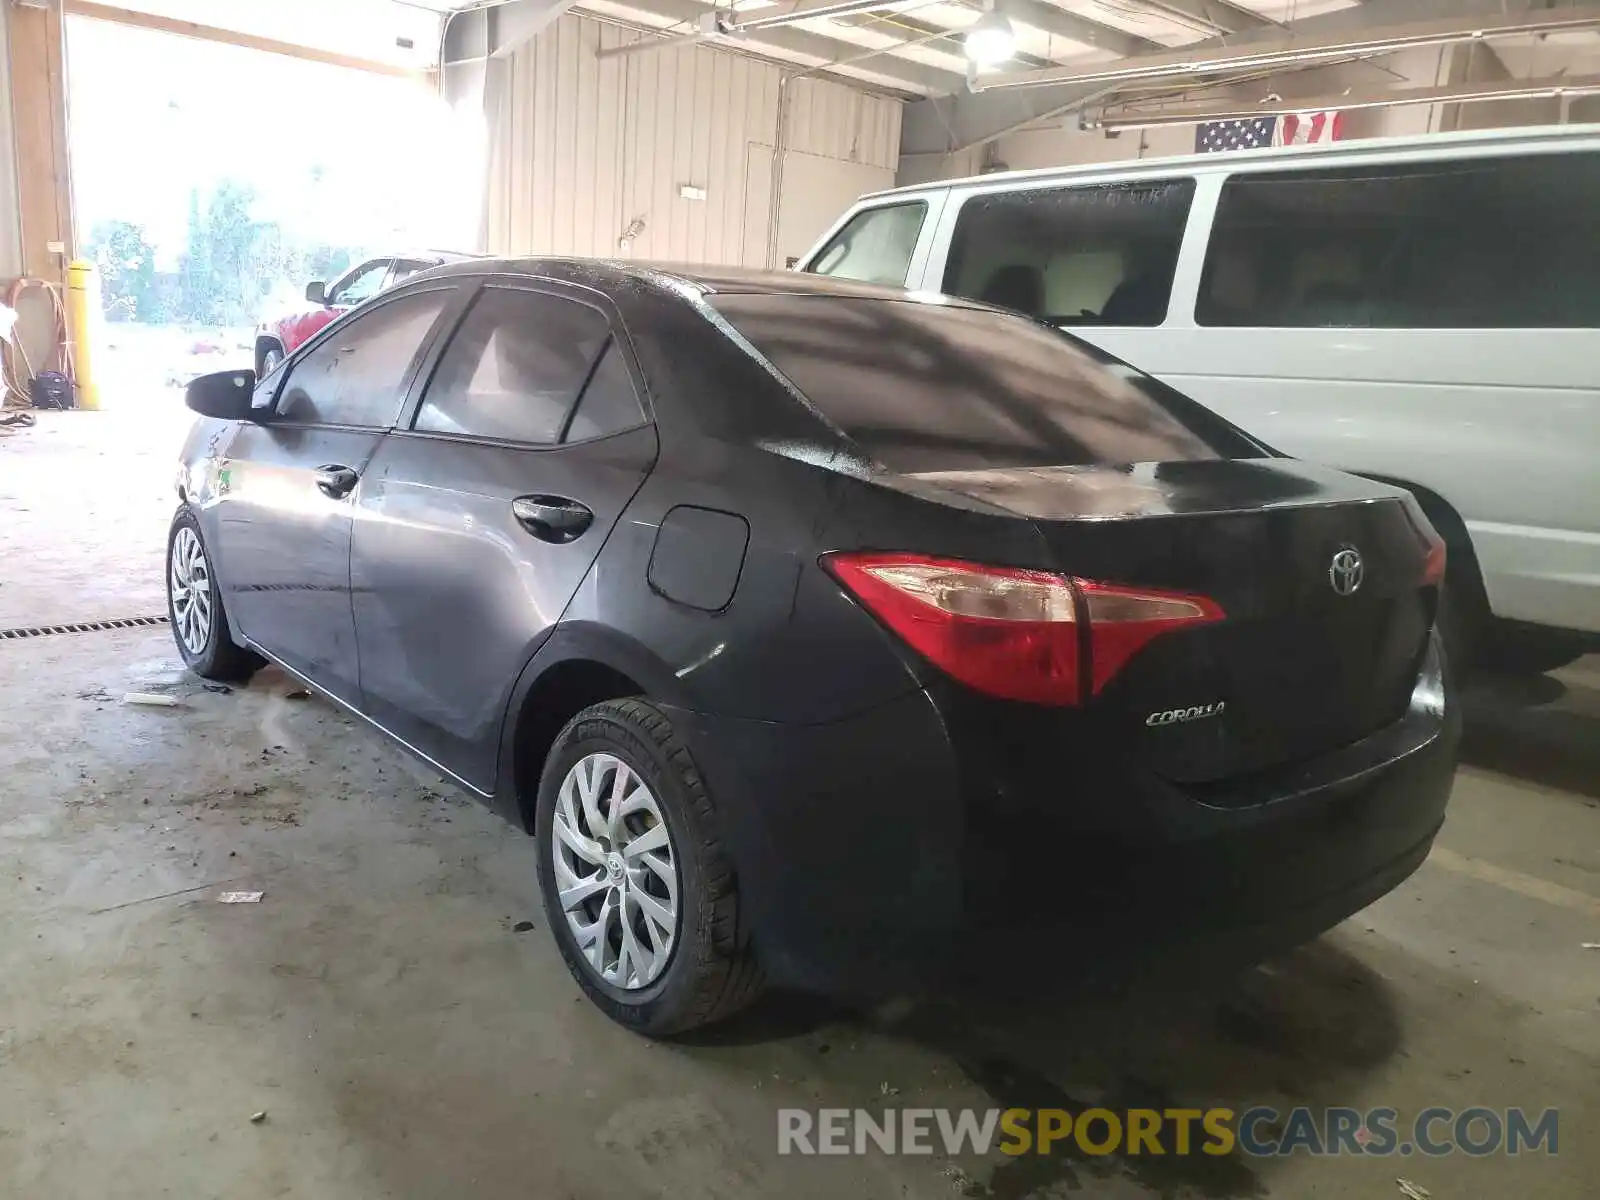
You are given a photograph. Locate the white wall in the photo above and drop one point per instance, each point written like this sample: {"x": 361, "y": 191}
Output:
{"x": 580, "y": 148}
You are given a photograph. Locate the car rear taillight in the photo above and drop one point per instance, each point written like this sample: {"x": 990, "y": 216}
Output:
{"x": 1014, "y": 633}
{"x": 1433, "y": 566}
{"x": 1433, "y": 550}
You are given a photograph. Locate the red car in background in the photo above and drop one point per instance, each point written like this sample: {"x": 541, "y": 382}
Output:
{"x": 275, "y": 339}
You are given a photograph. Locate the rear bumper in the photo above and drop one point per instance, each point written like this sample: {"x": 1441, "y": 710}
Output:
{"x": 930, "y": 837}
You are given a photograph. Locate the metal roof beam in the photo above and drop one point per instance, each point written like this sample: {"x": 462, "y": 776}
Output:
{"x": 1211, "y": 16}
{"x": 948, "y": 124}
{"x": 1047, "y": 18}
{"x": 913, "y": 76}
{"x": 1292, "y": 51}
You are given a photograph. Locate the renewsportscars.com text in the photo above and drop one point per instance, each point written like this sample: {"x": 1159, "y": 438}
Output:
{"x": 1258, "y": 1131}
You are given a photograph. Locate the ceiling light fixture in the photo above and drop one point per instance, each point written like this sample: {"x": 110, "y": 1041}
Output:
{"x": 990, "y": 40}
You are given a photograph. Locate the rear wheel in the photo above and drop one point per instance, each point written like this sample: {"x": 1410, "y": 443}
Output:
{"x": 637, "y": 888}
{"x": 195, "y": 609}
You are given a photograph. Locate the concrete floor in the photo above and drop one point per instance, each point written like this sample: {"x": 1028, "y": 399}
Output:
{"x": 405, "y": 1041}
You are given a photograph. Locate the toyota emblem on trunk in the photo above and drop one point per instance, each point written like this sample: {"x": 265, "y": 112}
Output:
{"x": 1346, "y": 571}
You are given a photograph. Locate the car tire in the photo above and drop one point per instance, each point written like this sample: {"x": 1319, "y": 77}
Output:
{"x": 270, "y": 358}
{"x": 195, "y": 609}
{"x": 709, "y": 971}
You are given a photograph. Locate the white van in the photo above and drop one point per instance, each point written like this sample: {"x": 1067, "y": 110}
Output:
{"x": 1421, "y": 310}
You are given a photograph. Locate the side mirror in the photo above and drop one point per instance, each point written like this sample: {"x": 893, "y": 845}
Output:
{"x": 317, "y": 292}
{"x": 225, "y": 394}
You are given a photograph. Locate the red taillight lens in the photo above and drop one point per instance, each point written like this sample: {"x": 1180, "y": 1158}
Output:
{"x": 1013, "y": 633}
{"x": 1122, "y": 621}
{"x": 1433, "y": 566}
{"x": 1006, "y": 632}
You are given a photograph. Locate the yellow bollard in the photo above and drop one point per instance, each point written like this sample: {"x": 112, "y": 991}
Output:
{"x": 83, "y": 305}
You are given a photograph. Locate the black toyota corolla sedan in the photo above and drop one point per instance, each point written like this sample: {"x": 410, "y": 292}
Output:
{"x": 823, "y": 633}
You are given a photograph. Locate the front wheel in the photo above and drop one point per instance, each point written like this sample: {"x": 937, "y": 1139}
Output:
{"x": 637, "y": 889}
{"x": 270, "y": 358}
{"x": 194, "y": 607}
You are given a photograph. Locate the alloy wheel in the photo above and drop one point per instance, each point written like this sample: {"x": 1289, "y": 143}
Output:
{"x": 189, "y": 580}
{"x": 616, "y": 871}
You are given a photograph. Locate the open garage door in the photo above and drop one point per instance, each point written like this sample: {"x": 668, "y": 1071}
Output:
{"x": 214, "y": 185}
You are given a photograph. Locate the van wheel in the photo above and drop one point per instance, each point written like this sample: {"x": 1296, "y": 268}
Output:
{"x": 1463, "y": 614}
{"x": 1514, "y": 648}
{"x": 637, "y": 888}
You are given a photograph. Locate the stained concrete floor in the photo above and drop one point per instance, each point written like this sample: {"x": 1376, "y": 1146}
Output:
{"x": 404, "y": 1040}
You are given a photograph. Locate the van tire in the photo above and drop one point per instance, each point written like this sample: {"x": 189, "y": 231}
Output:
{"x": 1515, "y": 648}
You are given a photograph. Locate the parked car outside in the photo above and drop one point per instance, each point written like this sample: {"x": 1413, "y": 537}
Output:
{"x": 280, "y": 336}
{"x": 825, "y": 633}
{"x": 1417, "y": 310}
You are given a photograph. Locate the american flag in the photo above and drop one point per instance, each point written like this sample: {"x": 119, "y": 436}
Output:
{"x": 1302, "y": 129}
{"x": 1234, "y": 135}
{"x": 1291, "y": 129}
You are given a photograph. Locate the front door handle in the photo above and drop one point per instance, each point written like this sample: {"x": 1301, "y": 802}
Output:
{"x": 551, "y": 518}
{"x": 336, "y": 481}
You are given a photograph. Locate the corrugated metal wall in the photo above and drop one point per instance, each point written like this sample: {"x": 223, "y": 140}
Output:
{"x": 581, "y": 148}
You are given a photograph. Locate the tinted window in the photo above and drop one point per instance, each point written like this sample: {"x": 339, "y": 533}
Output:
{"x": 609, "y": 403}
{"x": 875, "y": 246}
{"x": 934, "y": 387}
{"x": 514, "y": 367}
{"x": 1073, "y": 256}
{"x": 1487, "y": 243}
{"x": 354, "y": 376}
{"x": 361, "y": 284}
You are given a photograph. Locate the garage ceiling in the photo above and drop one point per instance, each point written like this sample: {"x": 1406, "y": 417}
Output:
{"x": 1065, "y": 49}
{"x": 873, "y": 45}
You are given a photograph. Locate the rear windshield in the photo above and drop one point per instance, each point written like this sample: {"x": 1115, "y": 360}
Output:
{"x": 926, "y": 386}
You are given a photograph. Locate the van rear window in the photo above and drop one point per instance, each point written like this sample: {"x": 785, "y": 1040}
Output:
{"x": 1488, "y": 243}
{"x": 931, "y": 386}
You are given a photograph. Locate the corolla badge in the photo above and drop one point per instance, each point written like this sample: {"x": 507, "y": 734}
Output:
{"x": 1346, "y": 571}
{"x": 1178, "y": 716}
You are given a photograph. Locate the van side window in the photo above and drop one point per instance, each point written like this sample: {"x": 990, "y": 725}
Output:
{"x": 1100, "y": 255}
{"x": 875, "y": 246}
{"x": 1509, "y": 243}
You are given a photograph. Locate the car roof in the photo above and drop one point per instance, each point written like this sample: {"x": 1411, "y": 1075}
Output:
{"x": 434, "y": 256}
{"x": 608, "y": 274}
{"x": 1359, "y": 150}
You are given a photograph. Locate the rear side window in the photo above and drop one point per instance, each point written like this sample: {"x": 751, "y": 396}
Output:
{"x": 514, "y": 368}
{"x": 609, "y": 404}
{"x": 1073, "y": 256}
{"x": 875, "y": 246}
{"x": 354, "y": 375}
{"x": 941, "y": 387}
{"x": 1511, "y": 243}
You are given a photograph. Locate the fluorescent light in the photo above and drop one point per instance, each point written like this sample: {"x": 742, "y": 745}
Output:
{"x": 990, "y": 40}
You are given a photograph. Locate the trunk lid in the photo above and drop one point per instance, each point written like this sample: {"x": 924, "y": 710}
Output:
{"x": 1303, "y": 662}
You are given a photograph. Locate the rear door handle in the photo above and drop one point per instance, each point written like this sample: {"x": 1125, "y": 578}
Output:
{"x": 336, "y": 481}
{"x": 552, "y": 518}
